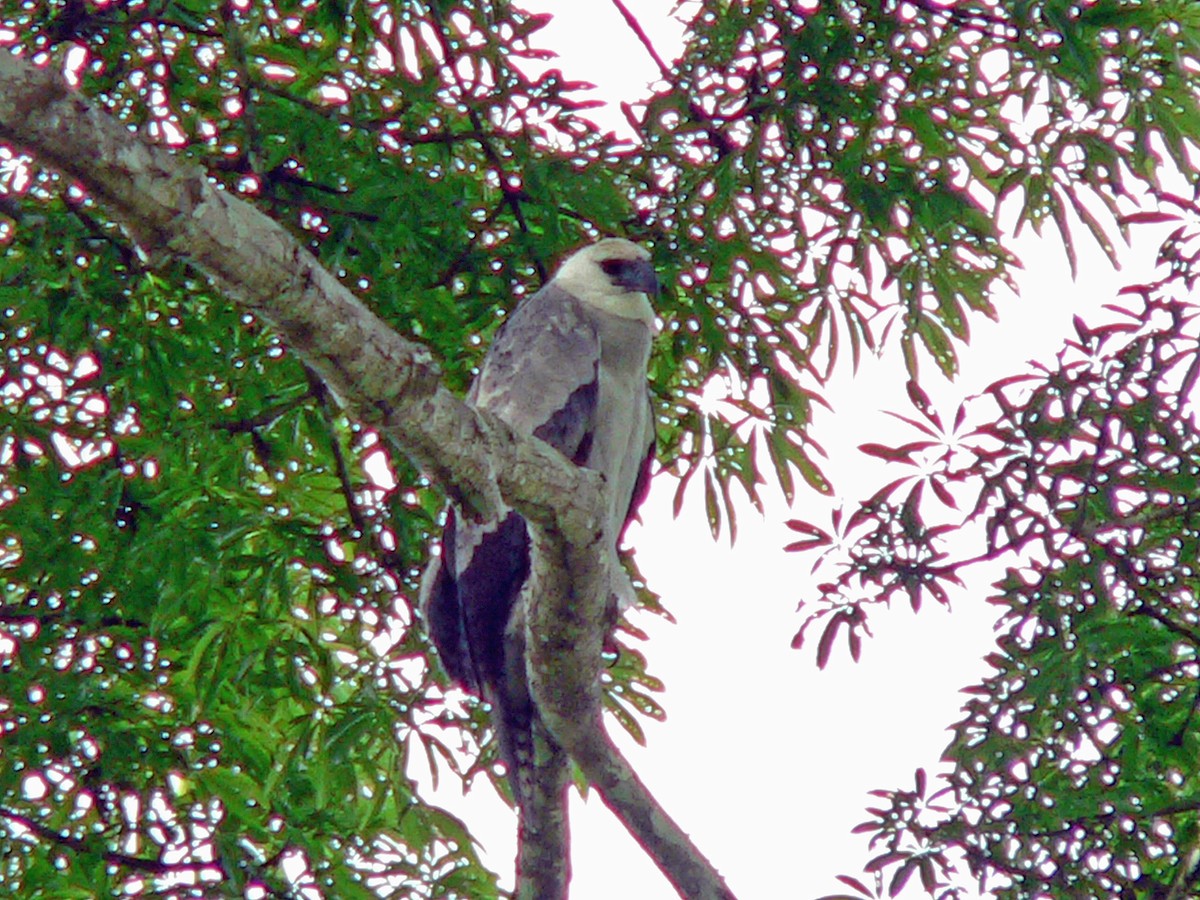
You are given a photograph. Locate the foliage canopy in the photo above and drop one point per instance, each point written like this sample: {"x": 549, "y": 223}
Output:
{"x": 213, "y": 680}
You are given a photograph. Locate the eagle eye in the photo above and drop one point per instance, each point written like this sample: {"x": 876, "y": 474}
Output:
{"x": 631, "y": 274}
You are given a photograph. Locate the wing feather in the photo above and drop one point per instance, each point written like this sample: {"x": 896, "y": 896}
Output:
{"x": 540, "y": 375}
{"x": 641, "y": 486}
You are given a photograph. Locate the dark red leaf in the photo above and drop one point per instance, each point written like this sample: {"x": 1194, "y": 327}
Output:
{"x": 900, "y": 879}
{"x": 914, "y": 597}
{"x": 939, "y": 593}
{"x": 854, "y": 883}
{"x": 879, "y": 496}
{"x": 883, "y": 861}
{"x": 798, "y": 637}
{"x": 929, "y": 879}
{"x": 1009, "y": 381}
{"x": 1177, "y": 199}
{"x": 631, "y": 117}
{"x": 942, "y": 494}
{"x": 960, "y": 416}
{"x": 1148, "y": 218}
{"x": 806, "y": 545}
{"x": 881, "y": 451}
{"x": 912, "y": 503}
{"x": 1081, "y": 328}
{"x": 918, "y": 396}
{"x": 825, "y": 645}
{"x": 808, "y": 528}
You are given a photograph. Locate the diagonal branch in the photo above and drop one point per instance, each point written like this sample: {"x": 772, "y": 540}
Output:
{"x": 172, "y": 210}
{"x": 720, "y": 141}
{"x": 78, "y": 845}
{"x": 387, "y": 382}
{"x": 562, "y": 663}
{"x": 640, "y": 33}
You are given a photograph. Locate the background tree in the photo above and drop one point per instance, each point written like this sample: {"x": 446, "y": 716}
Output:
{"x": 213, "y": 677}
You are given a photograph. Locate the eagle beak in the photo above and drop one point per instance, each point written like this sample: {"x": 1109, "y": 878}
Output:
{"x": 639, "y": 275}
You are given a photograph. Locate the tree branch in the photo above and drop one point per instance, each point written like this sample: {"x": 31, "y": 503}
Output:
{"x": 720, "y": 141}
{"x": 563, "y": 677}
{"x": 640, "y": 33}
{"x": 172, "y": 210}
{"x": 78, "y": 845}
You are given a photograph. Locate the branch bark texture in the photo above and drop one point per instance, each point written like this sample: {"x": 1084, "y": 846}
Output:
{"x": 171, "y": 209}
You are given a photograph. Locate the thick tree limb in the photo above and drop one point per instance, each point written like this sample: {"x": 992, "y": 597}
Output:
{"x": 540, "y": 779}
{"x": 562, "y": 677}
{"x": 171, "y": 209}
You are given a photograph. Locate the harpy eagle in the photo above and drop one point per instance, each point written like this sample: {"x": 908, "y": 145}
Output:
{"x": 568, "y": 367}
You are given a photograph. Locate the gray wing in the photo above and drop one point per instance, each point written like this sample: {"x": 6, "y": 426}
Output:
{"x": 540, "y": 374}
{"x": 541, "y": 377}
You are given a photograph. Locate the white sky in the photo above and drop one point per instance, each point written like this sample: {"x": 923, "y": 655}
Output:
{"x": 764, "y": 759}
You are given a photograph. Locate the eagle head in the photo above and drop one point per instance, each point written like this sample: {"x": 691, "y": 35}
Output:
{"x": 613, "y": 275}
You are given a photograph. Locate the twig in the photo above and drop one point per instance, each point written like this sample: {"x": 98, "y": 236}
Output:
{"x": 721, "y": 143}
{"x": 512, "y": 196}
{"x": 94, "y": 228}
{"x": 265, "y": 418}
{"x": 78, "y": 845}
{"x": 371, "y": 126}
{"x": 980, "y": 21}
{"x": 357, "y": 519}
{"x": 237, "y": 53}
{"x": 636, "y": 27}
{"x": 17, "y": 614}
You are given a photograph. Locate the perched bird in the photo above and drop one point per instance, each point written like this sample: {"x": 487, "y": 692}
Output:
{"x": 568, "y": 367}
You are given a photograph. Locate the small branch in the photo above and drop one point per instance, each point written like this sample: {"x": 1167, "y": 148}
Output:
{"x": 353, "y": 510}
{"x": 77, "y": 845}
{"x": 459, "y": 262}
{"x": 236, "y": 48}
{"x": 721, "y": 143}
{"x": 512, "y": 196}
{"x": 980, "y": 21}
{"x": 1187, "y": 874}
{"x": 96, "y": 230}
{"x": 20, "y": 615}
{"x": 636, "y": 27}
{"x": 1189, "y": 635}
{"x": 658, "y": 834}
{"x": 264, "y": 418}
{"x": 281, "y": 175}
{"x": 390, "y": 559}
{"x": 1188, "y": 385}
{"x": 372, "y": 126}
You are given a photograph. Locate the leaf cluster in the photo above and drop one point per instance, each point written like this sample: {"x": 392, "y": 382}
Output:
{"x": 828, "y": 177}
{"x": 1070, "y": 772}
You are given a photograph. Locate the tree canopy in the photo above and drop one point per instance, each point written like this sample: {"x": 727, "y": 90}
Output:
{"x": 213, "y": 675}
